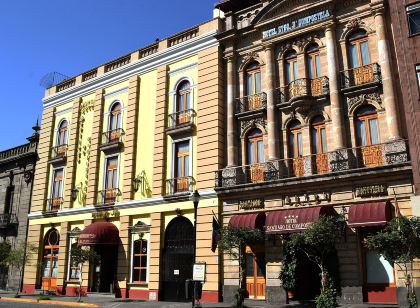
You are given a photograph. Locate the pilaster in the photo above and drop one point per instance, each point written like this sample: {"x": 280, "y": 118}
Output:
{"x": 155, "y": 250}
{"x": 232, "y": 155}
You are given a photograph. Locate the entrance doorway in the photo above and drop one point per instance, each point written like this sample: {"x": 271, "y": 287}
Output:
{"x": 308, "y": 279}
{"x": 103, "y": 270}
{"x": 255, "y": 271}
{"x": 50, "y": 261}
{"x": 178, "y": 255}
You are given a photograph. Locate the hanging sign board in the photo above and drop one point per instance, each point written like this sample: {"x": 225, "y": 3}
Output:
{"x": 298, "y": 23}
{"x": 199, "y": 272}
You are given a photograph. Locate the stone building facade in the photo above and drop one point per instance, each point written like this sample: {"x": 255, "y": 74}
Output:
{"x": 122, "y": 148}
{"x": 17, "y": 167}
{"x": 314, "y": 125}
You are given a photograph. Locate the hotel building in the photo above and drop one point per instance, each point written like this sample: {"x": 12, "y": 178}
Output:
{"x": 122, "y": 148}
{"x": 315, "y": 126}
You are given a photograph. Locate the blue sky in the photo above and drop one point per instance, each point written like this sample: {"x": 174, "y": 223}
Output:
{"x": 42, "y": 36}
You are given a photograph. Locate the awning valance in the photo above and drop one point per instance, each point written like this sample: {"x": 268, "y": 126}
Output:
{"x": 369, "y": 214}
{"x": 99, "y": 233}
{"x": 251, "y": 221}
{"x": 295, "y": 220}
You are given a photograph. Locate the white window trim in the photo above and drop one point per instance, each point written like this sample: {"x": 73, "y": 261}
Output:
{"x": 72, "y": 240}
{"x": 52, "y": 183}
{"x": 174, "y": 142}
{"x": 133, "y": 234}
{"x": 57, "y": 129}
{"x": 107, "y": 157}
{"x": 175, "y": 92}
{"x": 108, "y": 114}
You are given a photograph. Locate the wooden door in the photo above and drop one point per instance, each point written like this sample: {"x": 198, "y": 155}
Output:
{"x": 255, "y": 272}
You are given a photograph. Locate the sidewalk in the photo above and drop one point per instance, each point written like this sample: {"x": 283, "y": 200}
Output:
{"x": 109, "y": 301}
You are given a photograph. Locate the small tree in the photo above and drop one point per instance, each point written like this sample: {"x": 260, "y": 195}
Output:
{"x": 399, "y": 243}
{"x": 19, "y": 257}
{"x": 79, "y": 256}
{"x": 318, "y": 243}
{"x": 289, "y": 266}
{"x": 233, "y": 242}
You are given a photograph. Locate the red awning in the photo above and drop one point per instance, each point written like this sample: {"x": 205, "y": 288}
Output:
{"x": 295, "y": 220}
{"x": 99, "y": 233}
{"x": 251, "y": 221}
{"x": 369, "y": 214}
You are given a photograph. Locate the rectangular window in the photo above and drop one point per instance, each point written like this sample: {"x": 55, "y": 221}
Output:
{"x": 182, "y": 159}
{"x": 56, "y": 190}
{"x": 354, "y": 57}
{"x": 10, "y": 192}
{"x": 413, "y": 15}
{"x": 418, "y": 75}
{"x": 139, "y": 261}
{"x": 364, "y": 48}
{"x": 74, "y": 268}
{"x": 111, "y": 180}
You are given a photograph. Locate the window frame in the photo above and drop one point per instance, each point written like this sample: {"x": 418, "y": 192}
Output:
{"x": 46, "y": 246}
{"x": 146, "y": 235}
{"x": 312, "y": 55}
{"x": 72, "y": 241}
{"x": 174, "y": 156}
{"x": 318, "y": 126}
{"x": 252, "y": 71}
{"x": 183, "y": 94}
{"x": 54, "y": 171}
{"x": 417, "y": 69}
{"x": 357, "y": 42}
{"x": 58, "y": 142}
{"x": 365, "y": 118}
{"x": 290, "y": 59}
{"x": 295, "y": 131}
{"x": 112, "y": 116}
{"x": 411, "y": 9}
{"x": 254, "y": 140}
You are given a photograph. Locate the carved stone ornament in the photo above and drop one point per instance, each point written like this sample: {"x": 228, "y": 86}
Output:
{"x": 27, "y": 176}
{"x": 247, "y": 124}
{"x": 248, "y": 58}
{"x": 300, "y": 42}
{"x": 356, "y": 101}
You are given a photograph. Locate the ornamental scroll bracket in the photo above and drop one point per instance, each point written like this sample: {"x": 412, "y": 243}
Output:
{"x": 247, "y": 125}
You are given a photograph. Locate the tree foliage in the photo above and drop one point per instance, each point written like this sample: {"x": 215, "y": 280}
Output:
{"x": 289, "y": 266}
{"x": 5, "y": 248}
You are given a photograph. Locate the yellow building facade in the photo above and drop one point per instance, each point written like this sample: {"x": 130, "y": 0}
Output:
{"x": 122, "y": 148}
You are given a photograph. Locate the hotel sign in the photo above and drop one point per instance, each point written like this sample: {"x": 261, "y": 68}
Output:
{"x": 371, "y": 190}
{"x": 252, "y": 204}
{"x": 301, "y": 22}
{"x": 291, "y": 223}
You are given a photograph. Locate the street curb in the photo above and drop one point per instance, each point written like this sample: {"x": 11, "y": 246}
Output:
{"x": 47, "y": 302}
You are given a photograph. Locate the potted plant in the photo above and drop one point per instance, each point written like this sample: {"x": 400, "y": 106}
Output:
{"x": 288, "y": 270}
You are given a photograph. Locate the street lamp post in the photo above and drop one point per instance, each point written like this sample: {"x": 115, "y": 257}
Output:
{"x": 196, "y": 200}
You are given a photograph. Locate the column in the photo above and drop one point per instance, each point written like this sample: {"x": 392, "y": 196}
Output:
{"x": 389, "y": 101}
{"x": 232, "y": 160}
{"x": 124, "y": 256}
{"x": 333, "y": 75}
{"x": 273, "y": 145}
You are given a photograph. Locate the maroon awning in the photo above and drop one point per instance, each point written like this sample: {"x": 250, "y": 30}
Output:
{"x": 295, "y": 220}
{"x": 369, "y": 214}
{"x": 99, "y": 233}
{"x": 251, "y": 221}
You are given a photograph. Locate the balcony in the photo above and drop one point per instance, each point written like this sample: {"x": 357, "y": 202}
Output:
{"x": 332, "y": 164}
{"x": 179, "y": 188}
{"x": 109, "y": 196}
{"x": 252, "y": 105}
{"x": 366, "y": 77}
{"x": 112, "y": 141}
{"x": 303, "y": 91}
{"x": 58, "y": 155}
{"x": 8, "y": 220}
{"x": 181, "y": 122}
{"x": 54, "y": 204}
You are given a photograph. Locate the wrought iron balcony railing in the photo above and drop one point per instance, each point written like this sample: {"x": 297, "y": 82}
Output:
{"x": 304, "y": 87}
{"x": 362, "y": 75}
{"x": 181, "y": 118}
{"x": 54, "y": 204}
{"x": 7, "y": 220}
{"x": 179, "y": 185}
{"x": 114, "y": 136}
{"x": 386, "y": 154}
{"x": 253, "y": 102}
{"x": 109, "y": 196}
{"x": 59, "y": 151}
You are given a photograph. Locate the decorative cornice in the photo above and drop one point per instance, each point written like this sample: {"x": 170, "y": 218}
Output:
{"x": 116, "y": 92}
{"x": 183, "y": 69}
{"x": 141, "y": 66}
{"x": 206, "y": 194}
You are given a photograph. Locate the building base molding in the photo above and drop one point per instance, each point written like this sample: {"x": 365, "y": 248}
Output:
{"x": 28, "y": 289}
{"x": 275, "y": 295}
{"x": 229, "y": 293}
{"x": 351, "y": 295}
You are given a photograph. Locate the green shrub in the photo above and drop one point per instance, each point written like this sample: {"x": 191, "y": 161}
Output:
{"x": 412, "y": 300}
{"x": 43, "y": 297}
{"x": 327, "y": 299}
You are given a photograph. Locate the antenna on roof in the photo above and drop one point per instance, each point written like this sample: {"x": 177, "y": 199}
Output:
{"x": 51, "y": 79}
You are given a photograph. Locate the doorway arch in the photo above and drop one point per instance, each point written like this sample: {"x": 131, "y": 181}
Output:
{"x": 178, "y": 258}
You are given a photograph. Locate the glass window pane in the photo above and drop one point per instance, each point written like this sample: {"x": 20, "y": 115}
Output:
{"x": 318, "y": 66}
{"x": 143, "y": 261}
{"x": 374, "y": 132}
{"x": 249, "y": 264}
{"x": 291, "y": 145}
{"x": 250, "y": 152}
{"x": 180, "y": 102}
{"x": 288, "y": 73}
{"x": 136, "y": 275}
{"x": 354, "y": 60}
{"x": 188, "y": 103}
{"x": 300, "y": 146}
{"x": 258, "y": 82}
{"x": 144, "y": 247}
{"x": 260, "y": 144}
{"x": 324, "y": 140}
{"x": 414, "y": 22}
{"x": 361, "y": 133}
{"x": 136, "y": 261}
{"x": 295, "y": 70}
{"x": 249, "y": 88}
{"x": 136, "y": 247}
{"x": 310, "y": 68}
{"x": 46, "y": 271}
{"x": 315, "y": 148}
{"x": 364, "y": 47}
{"x": 378, "y": 269}
{"x": 260, "y": 264}
{"x": 187, "y": 166}
{"x": 143, "y": 275}
{"x": 179, "y": 167}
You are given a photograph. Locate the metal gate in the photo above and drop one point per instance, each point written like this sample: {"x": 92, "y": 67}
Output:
{"x": 178, "y": 254}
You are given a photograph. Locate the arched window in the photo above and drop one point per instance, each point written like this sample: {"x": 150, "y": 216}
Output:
{"x": 183, "y": 102}
{"x": 50, "y": 260}
{"x": 313, "y": 61}
{"x": 367, "y": 130}
{"x": 253, "y": 79}
{"x": 291, "y": 66}
{"x": 295, "y": 139}
{"x": 255, "y": 147}
{"x": 62, "y": 134}
{"x": 318, "y": 135}
{"x": 115, "y": 123}
{"x": 358, "y": 45}
{"x": 319, "y": 145}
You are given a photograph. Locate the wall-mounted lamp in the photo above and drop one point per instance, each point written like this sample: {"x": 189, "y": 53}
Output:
{"x": 137, "y": 181}
{"x": 74, "y": 193}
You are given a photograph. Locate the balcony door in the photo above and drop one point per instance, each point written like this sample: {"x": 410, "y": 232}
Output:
{"x": 115, "y": 123}
{"x": 295, "y": 148}
{"x": 182, "y": 166}
{"x": 57, "y": 190}
{"x": 255, "y": 272}
{"x": 319, "y": 145}
{"x": 253, "y": 86}
{"x": 111, "y": 180}
{"x": 255, "y": 155}
{"x": 183, "y": 104}
{"x": 62, "y": 139}
{"x": 50, "y": 260}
